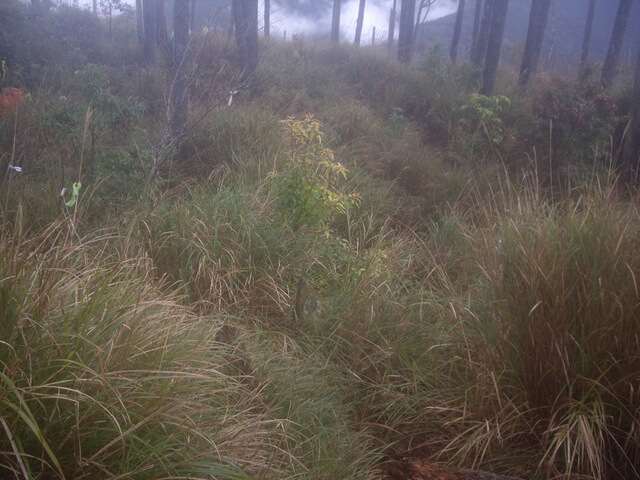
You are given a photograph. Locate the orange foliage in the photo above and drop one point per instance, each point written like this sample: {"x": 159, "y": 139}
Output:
{"x": 9, "y": 101}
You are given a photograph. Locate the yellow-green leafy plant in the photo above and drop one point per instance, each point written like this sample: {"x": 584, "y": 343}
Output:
{"x": 308, "y": 190}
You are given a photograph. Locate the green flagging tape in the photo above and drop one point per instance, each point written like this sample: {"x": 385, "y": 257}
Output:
{"x": 74, "y": 194}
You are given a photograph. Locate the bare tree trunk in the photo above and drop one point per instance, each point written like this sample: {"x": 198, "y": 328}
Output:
{"x": 533, "y": 45}
{"x": 619, "y": 27}
{"x": 95, "y": 7}
{"x": 179, "y": 94}
{"x": 335, "y": 21}
{"x": 476, "y": 24}
{"x": 267, "y": 18}
{"x": 245, "y": 14}
{"x": 149, "y": 13}
{"x": 455, "y": 41}
{"x": 359, "y": 22}
{"x": 479, "y": 51}
{"x": 631, "y": 156}
{"x": 139, "y": 22}
{"x": 405, "y": 33}
{"x": 493, "y": 49}
{"x": 587, "y": 34}
{"x": 162, "y": 39}
{"x": 392, "y": 28}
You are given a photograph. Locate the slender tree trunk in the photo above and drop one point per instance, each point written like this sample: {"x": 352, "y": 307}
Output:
{"x": 476, "y": 24}
{"x": 246, "y": 23}
{"x": 631, "y": 155}
{"x": 482, "y": 41}
{"x": 162, "y": 39}
{"x": 405, "y": 33}
{"x": 139, "y": 22}
{"x": 619, "y": 27}
{"x": 392, "y": 28}
{"x": 95, "y": 7}
{"x": 359, "y": 22}
{"x": 587, "y": 34}
{"x": 533, "y": 45}
{"x": 455, "y": 41}
{"x": 335, "y": 21}
{"x": 493, "y": 49}
{"x": 267, "y": 18}
{"x": 149, "y": 13}
{"x": 179, "y": 94}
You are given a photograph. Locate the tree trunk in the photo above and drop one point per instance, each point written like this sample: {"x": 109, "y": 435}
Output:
{"x": 139, "y": 22}
{"x": 392, "y": 28}
{"x": 95, "y": 7}
{"x": 533, "y": 45}
{"x": 267, "y": 18}
{"x": 619, "y": 27}
{"x": 179, "y": 94}
{"x": 455, "y": 41}
{"x": 359, "y": 22}
{"x": 476, "y": 24}
{"x": 631, "y": 155}
{"x": 587, "y": 34}
{"x": 335, "y": 21}
{"x": 162, "y": 39}
{"x": 149, "y": 13}
{"x": 484, "y": 32}
{"x": 405, "y": 33}
{"x": 493, "y": 48}
{"x": 245, "y": 14}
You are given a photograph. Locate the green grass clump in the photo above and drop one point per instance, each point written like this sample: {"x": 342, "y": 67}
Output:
{"x": 105, "y": 375}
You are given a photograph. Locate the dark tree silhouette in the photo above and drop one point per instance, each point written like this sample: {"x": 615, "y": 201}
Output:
{"x": 587, "y": 34}
{"x": 267, "y": 17}
{"x": 139, "y": 22}
{"x": 479, "y": 50}
{"x": 335, "y": 21}
{"x": 392, "y": 27}
{"x": 631, "y": 154}
{"x": 245, "y": 13}
{"x": 149, "y": 13}
{"x": 455, "y": 41}
{"x": 179, "y": 96}
{"x": 476, "y": 24}
{"x": 405, "y": 31}
{"x": 619, "y": 27}
{"x": 359, "y": 21}
{"x": 535, "y": 35}
{"x": 492, "y": 59}
{"x": 162, "y": 39}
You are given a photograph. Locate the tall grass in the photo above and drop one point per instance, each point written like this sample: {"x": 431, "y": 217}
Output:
{"x": 104, "y": 375}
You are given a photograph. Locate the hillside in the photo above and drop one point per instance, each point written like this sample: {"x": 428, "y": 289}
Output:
{"x": 563, "y": 37}
{"x": 347, "y": 270}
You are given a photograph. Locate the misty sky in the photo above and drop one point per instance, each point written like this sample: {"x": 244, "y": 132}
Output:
{"x": 313, "y": 17}
{"x": 376, "y": 14}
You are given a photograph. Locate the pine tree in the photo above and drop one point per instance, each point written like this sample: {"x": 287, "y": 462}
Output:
{"x": 535, "y": 35}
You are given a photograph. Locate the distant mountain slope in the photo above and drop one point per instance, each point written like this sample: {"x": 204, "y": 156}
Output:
{"x": 563, "y": 38}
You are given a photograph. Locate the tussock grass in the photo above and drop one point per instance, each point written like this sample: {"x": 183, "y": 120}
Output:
{"x": 105, "y": 375}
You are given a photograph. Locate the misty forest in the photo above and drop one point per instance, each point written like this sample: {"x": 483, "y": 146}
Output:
{"x": 320, "y": 239}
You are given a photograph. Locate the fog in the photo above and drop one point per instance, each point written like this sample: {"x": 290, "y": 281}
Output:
{"x": 313, "y": 17}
